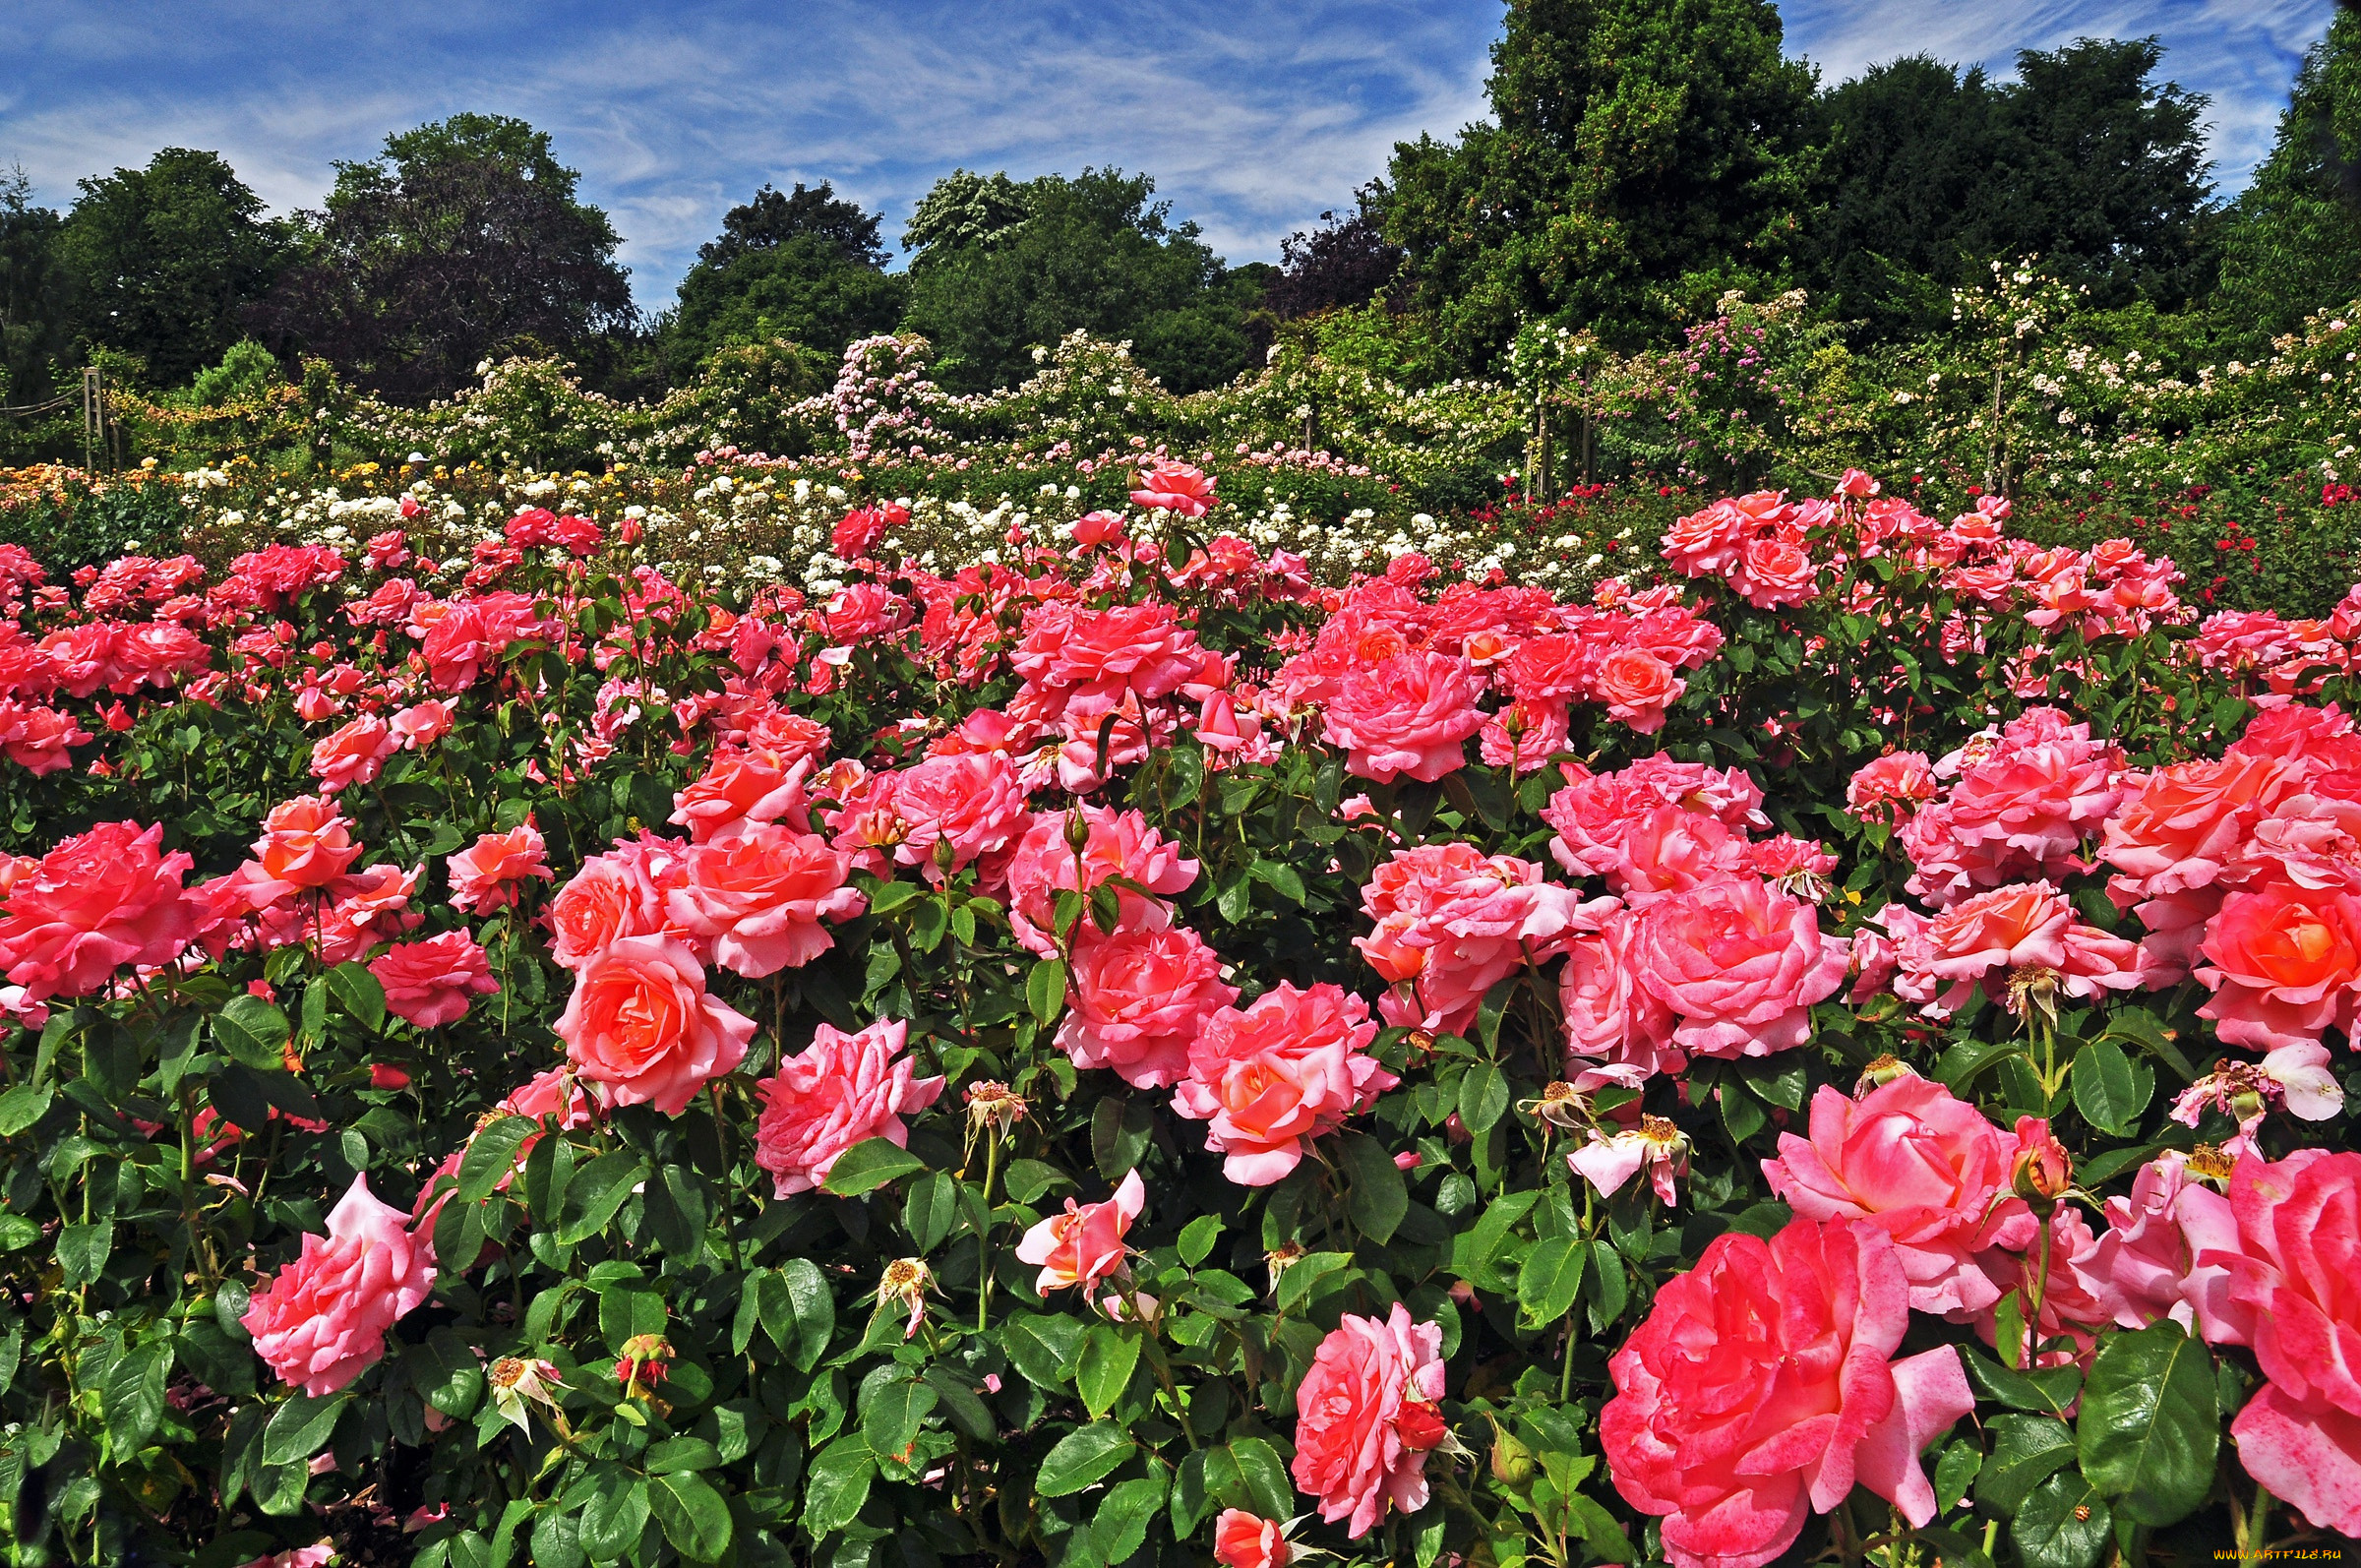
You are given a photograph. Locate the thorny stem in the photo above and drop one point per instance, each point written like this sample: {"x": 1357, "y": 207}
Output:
{"x": 992, "y": 1168}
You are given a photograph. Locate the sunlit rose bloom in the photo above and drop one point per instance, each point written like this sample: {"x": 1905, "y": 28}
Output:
{"x": 1738, "y": 965}
{"x": 1289, "y": 1068}
{"x": 305, "y": 843}
{"x": 642, "y": 1027}
{"x": 1411, "y": 713}
{"x": 1138, "y": 999}
{"x": 98, "y": 902}
{"x": 322, "y": 1320}
{"x": 429, "y": 984}
{"x": 353, "y": 755}
{"x": 758, "y": 895}
{"x": 1115, "y": 844}
{"x": 489, "y": 873}
{"x": 1366, "y": 1419}
{"x": 1084, "y": 1245}
{"x": 836, "y": 1093}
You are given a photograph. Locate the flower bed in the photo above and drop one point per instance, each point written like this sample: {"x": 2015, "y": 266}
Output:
{"x": 1125, "y": 1050}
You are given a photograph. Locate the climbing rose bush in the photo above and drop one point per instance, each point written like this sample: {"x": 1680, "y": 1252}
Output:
{"x": 1836, "y": 1048}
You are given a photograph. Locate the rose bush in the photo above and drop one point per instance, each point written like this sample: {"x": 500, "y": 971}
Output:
{"x": 1118, "y": 1055}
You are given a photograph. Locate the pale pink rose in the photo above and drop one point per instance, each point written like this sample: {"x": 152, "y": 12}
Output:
{"x": 1922, "y": 1166}
{"x": 1115, "y": 844}
{"x": 1606, "y": 1161}
{"x": 488, "y": 874}
{"x": 97, "y": 902}
{"x": 422, "y": 724}
{"x": 2296, "y": 1076}
{"x": 1526, "y": 733}
{"x": 1085, "y": 1245}
{"x": 1670, "y": 849}
{"x": 836, "y": 1091}
{"x": 1169, "y": 486}
{"x": 1284, "y": 1070}
{"x": 1762, "y": 1389}
{"x": 2145, "y": 1261}
{"x": 1451, "y": 923}
{"x": 1594, "y": 810}
{"x": 2077, "y": 1299}
{"x": 2004, "y": 934}
{"x": 352, "y": 755}
{"x": 971, "y": 804}
{"x": 1738, "y": 965}
{"x": 2296, "y": 1277}
{"x": 1890, "y": 787}
{"x": 1366, "y": 1419}
{"x": 758, "y": 894}
{"x": 1138, "y": 999}
{"x": 640, "y": 1026}
{"x": 1772, "y": 573}
{"x": 1411, "y": 713}
{"x": 429, "y": 984}
{"x": 322, "y": 1320}
{"x": 2283, "y": 967}
{"x": 2023, "y": 803}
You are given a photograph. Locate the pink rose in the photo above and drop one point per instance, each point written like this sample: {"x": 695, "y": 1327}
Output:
{"x": 317, "y": 1556}
{"x": 305, "y": 843}
{"x": 1738, "y": 965}
{"x": 1922, "y": 1166}
{"x": 1085, "y": 1245}
{"x": 1167, "y": 486}
{"x": 322, "y": 1320}
{"x": 1452, "y": 922}
{"x": 1995, "y": 939}
{"x": 2284, "y": 966}
{"x": 1366, "y": 1418}
{"x": 1411, "y": 713}
{"x": 1890, "y": 787}
{"x": 2024, "y": 802}
{"x": 2146, "y": 1259}
{"x": 836, "y": 1091}
{"x": 2296, "y": 1277}
{"x": 758, "y": 894}
{"x": 421, "y": 725}
{"x": 353, "y": 755}
{"x": 98, "y": 901}
{"x": 38, "y": 739}
{"x": 428, "y": 983}
{"x": 758, "y": 786}
{"x": 973, "y": 805}
{"x": 2181, "y": 827}
{"x": 640, "y": 1026}
{"x": 1637, "y": 688}
{"x": 623, "y": 893}
{"x": 1246, "y": 1541}
{"x": 1594, "y": 812}
{"x": 486, "y": 874}
{"x": 1289, "y": 1068}
{"x": 1609, "y": 1015}
{"x": 1139, "y": 998}
{"x": 1762, "y": 1388}
{"x": 1772, "y": 573}
{"x": 1115, "y": 844}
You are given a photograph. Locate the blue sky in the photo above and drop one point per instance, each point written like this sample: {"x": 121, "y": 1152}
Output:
{"x": 1252, "y": 114}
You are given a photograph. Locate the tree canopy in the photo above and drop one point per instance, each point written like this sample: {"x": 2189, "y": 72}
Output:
{"x": 2293, "y": 241}
{"x": 806, "y": 265}
{"x": 995, "y": 279}
{"x": 462, "y": 240}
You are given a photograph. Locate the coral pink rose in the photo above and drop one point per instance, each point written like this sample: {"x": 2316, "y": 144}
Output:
{"x": 623, "y": 893}
{"x": 755, "y": 786}
{"x": 2283, "y": 966}
{"x": 1139, "y": 998}
{"x": 1610, "y": 1017}
{"x": 1289, "y": 1068}
{"x": 1248, "y": 1540}
{"x": 834, "y": 1093}
{"x": 1738, "y": 965}
{"x": 1921, "y": 1165}
{"x": 640, "y": 1026}
{"x": 1889, "y": 787}
{"x": 1167, "y": 486}
{"x": 2024, "y": 802}
{"x": 1366, "y": 1418}
{"x": 2179, "y": 829}
{"x": 98, "y": 901}
{"x": 1115, "y": 844}
{"x": 2296, "y": 1279}
{"x": 1080, "y": 664}
{"x": 1085, "y": 1245}
{"x": 1411, "y": 713}
{"x": 758, "y": 895}
{"x": 1452, "y": 922}
{"x": 487, "y": 875}
{"x": 353, "y": 755}
{"x": 2028, "y": 931}
{"x": 1772, "y": 573}
{"x": 1762, "y": 1387}
{"x": 1637, "y": 688}
{"x": 1594, "y": 812}
{"x": 37, "y": 738}
{"x": 421, "y": 725}
{"x": 322, "y": 1320}
{"x": 428, "y": 983}
{"x": 305, "y": 843}
{"x": 971, "y": 804}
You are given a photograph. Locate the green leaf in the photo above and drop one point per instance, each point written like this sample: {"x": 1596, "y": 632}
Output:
{"x": 1045, "y": 991}
{"x": 1120, "y": 1130}
{"x": 2110, "y": 1090}
{"x": 596, "y": 1191}
{"x": 300, "y": 1427}
{"x": 2149, "y": 1429}
{"x": 2027, "y": 1450}
{"x": 1082, "y": 1457}
{"x": 1379, "y": 1199}
{"x": 1109, "y": 1358}
{"x": 959, "y": 1401}
{"x": 1197, "y": 1237}
{"x": 694, "y": 1518}
{"x": 890, "y": 1417}
{"x": 615, "y": 1514}
{"x": 1551, "y": 1278}
{"x": 491, "y": 1157}
{"x": 1281, "y": 876}
{"x": 22, "y": 1107}
{"x": 1304, "y": 1277}
{"x": 2064, "y": 1524}
{"x": 1955, "y": 1472}
{"x": 82, "y": 1250}
{"x": 837, "y": 1486}
{"x": 813, "y": 1308}
{"x": 1483, "y": 1097}
{"x": 892, "y": 895}
{"x": 357, "y": 994}
{"x": 1266, "y": 1478}
{"x": 1119, "y": 1524}
{"x": 133, "y": 1397}
{"x": 929, "y": 1210}
{"x": 253, "y": 1032}
{"x": 1044, "y": 1348}
{"x": 868, "y": 1166}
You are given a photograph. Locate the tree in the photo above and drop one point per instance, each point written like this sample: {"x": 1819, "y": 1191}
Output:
{"x": 1093, "y": 252}
{"x": 164, "y": 260}
{"x": 464, "y": 240}
{"x": 35, "y": 307}
{"x": 2085, "y": 161}
{"x": 805, "y": 267}
{"x": 1345, "y": 262}
{"x": 2292, "y": 243}
{"x": 1646, "y": 155}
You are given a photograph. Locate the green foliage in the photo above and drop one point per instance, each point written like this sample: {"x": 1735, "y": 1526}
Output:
{"x": 2293, "y": 245}
{"x": 804, "y": 267}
